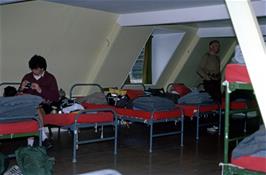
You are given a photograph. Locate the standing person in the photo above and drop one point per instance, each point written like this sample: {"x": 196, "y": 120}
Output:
{"x": 209, "y": 71}
{"x": 41, "y": 83}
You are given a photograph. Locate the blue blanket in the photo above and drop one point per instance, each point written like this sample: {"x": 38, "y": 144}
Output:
{"x": 196, "y": 97}
{"x": 24, "y": 105}
{"x": 253, "y": 145}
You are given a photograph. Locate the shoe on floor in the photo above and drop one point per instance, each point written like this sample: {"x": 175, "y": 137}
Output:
{"x": 211, "y": 130}
{"x": 215, "y": 127}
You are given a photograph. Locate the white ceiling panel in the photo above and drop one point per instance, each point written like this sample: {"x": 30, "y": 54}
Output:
{"x": 2, "y": 2}
{"x": 134, "y": 6}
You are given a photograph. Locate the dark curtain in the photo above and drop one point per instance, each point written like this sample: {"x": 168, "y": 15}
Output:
{"x": 147, "y": 65}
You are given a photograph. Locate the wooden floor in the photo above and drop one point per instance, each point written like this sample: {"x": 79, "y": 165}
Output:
{"x": 133, "y": 157}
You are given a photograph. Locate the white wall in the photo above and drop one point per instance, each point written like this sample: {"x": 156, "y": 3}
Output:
{"x": 79, "y": 44}
{"x": 163, "y": 47}
{"x": 70, "y": 38}
{"x": 119, "y": 55}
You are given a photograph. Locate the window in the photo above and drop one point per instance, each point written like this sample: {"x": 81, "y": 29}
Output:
{"x": 155, "y": 56}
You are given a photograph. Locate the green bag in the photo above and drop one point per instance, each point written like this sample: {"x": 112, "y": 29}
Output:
{"x": 34, "y": 161}
{"x": 3, "y": 163}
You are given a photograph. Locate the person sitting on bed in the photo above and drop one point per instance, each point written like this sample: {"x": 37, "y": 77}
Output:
{"x": 209, "y": 71}
{"x": 41, "y": 83}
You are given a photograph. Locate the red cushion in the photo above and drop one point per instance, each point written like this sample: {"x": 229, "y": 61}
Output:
{"x": 96, "y": 106}
{"x": 236, "y": 105}
{"x": 19, "y": 127}
{"x": 147, "y": 115}
{"x": 190, "y": 110}
{"x": 180, "y": 89}
{"x": 237, "y": 73}
{"x": 251, "y": 163}
{"x": 134, "y": 93}
{"x": 69, "y": 119}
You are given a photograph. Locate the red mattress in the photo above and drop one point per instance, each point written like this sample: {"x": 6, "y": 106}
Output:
{"x": 190, "y": 110}
{"x": 96, "y": 106}
{"x": 19, "y": 127}
{"x": 69, "y": 119}
{"x": 251, "y": 163}
{"x": 147, "y": 115}
{"x": 236, "y": 105}
{"x": 237, "y": 73}
{"x": 134, "y": 93}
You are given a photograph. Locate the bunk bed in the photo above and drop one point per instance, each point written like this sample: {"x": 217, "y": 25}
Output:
{"x": 19, "y": 126}
{"x": 236, "y": 77}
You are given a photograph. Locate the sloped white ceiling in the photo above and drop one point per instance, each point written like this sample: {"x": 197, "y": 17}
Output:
{"x": 2, "y": 2}
{"x": 134, "y": 6}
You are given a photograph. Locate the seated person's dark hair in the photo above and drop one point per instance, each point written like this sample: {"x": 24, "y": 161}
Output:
{"x": 10, "y": 91}
{"x": 37, "y": 61}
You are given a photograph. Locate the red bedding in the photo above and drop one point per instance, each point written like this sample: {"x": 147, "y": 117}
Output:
{"x": 190, "y": 110}
{"x": 68, "y": 119}
{"x": 96, "y": 106}
{"x": 134, "y": 93}
{"x": 251, "y": 163}
{"x": 237, "y": 73}
{"x": 19, "y": 127}
{"x": 236, "y": 105}
{"x": 147, "y": 115}
{"x": 136, "y": 113}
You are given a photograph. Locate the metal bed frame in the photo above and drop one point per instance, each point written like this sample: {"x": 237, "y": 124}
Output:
{"x": 71, "y": 96}
{"x": 151, "y": 122}
{"x": 22, "y": 118}
{"x": 199, "y": 114}
{"x": 76, "y": 126}
{"x": 227, "y": 168}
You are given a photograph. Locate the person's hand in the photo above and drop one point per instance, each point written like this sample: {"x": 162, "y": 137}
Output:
{"x": 36, "y": 87}
{"x": 24, "y": 85}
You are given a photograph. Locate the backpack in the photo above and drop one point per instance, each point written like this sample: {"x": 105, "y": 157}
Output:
{"x": 3, "y": 163}
{"x": 120, "y": 101}
{"x": 10, "y": 91}
{"x": 180, "y": 89}
{"x": 155, "y": 92}
{"x": 34, "y": 161}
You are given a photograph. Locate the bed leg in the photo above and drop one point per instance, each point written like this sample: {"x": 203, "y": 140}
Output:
{"x": 151, "y": 136}
{"x": 197, "y": 125}
{"x": 40, "y": 137}
{"x": 182, "y": 131}
{"x": 116, "y": 130}
{"x": 220, "y": 121}
{"x": 75, "y": 132}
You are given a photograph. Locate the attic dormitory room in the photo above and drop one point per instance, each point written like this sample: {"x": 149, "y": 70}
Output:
{"x": 132, "y": 87}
